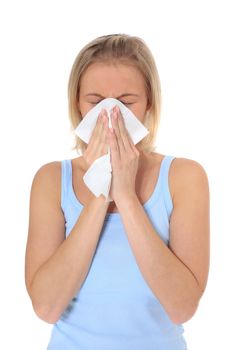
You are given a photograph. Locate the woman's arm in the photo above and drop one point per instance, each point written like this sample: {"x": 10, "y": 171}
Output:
{"x": 55, "y": 267}
{"x": 177, "y": 274}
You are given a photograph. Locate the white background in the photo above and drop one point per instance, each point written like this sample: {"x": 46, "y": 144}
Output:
{"x": 192, "y": 45}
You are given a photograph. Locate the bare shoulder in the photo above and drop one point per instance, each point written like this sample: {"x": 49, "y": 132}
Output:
{"x": 181, "y": 168}
{"x": 187, "y": 174}
{"x": 48, "y": 177}
{"x": 48, "y": 170}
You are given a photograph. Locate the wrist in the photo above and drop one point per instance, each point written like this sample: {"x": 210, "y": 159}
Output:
{"x": 126, "y": 201}
{"x": 100, "y": 201}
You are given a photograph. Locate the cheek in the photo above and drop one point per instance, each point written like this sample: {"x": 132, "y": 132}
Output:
{"x": 84, "y": 108}
{"x": 139, "y": 112}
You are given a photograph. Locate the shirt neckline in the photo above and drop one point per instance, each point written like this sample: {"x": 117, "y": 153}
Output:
{"x": 148, "y": 204}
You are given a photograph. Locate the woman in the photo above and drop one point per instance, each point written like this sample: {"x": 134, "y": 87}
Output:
{"x": 123, "y": 274}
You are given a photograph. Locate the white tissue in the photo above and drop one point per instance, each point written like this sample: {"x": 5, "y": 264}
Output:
{"x": 99, "y": 175}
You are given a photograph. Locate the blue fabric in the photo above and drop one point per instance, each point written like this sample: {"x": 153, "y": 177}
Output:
{"x": 115, "y": 308}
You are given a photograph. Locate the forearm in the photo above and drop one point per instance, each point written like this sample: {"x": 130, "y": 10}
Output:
{"x": 59, "y": 279}
{"x": 169, "y": 279}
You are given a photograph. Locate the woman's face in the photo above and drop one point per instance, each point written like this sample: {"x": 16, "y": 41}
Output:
{"x": 121, "y": 81}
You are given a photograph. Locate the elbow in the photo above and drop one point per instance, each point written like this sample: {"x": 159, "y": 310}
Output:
{"x": 46, "y": 314}
{"x": 183, "y": 314}
{"x": 186, "y": 308}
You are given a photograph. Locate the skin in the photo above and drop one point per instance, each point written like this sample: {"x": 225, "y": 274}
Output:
{"x": 56, "y": 267}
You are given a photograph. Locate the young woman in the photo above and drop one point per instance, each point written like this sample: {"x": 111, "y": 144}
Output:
{"x": 123, "y": 274}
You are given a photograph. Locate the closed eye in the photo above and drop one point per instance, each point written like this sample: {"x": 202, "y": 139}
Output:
{"x": 125, "y": 103}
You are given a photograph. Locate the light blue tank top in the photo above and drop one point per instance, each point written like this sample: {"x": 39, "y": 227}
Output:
{"x": 115, "y": 308}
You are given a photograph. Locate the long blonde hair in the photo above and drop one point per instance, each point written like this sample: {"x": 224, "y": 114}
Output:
{"x": 123, "y": 48}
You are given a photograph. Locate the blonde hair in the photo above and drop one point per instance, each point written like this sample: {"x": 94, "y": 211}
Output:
{"x": 123, "y": 48}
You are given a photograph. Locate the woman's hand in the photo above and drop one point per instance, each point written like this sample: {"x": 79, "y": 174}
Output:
{"x": 124, "y": 159}
{"x": 97, "y": 145}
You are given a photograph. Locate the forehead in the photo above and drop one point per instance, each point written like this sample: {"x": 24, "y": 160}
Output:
{"x": 112, "y": 76}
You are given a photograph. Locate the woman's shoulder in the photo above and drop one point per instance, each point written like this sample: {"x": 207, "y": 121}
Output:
{"x": 50, "y": 173}
{"x": 183, "y": 167}
{"x": 179, "y": 166}
{"x": 183, "y": 172}
{"x": 49, "y": 170}
{"x": 48, "y": 178}
{"x": 52, "y": 170}
{"x": 186, "y": 174}
{"x": 183, "y": 164}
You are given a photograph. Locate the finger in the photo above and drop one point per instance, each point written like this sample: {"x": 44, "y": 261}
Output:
{"x": 104, "y": 137}
{"x": 114, "y": 119}
{"x": 95, "y": 132}
{"x": 123, "y": 131}
{"x": 98, "y": 137}
{"x": 126, "y": 138}
{"x": 133, "y": 147}
{"x": 114, "y": 149}
{"x": 99, "y": 123}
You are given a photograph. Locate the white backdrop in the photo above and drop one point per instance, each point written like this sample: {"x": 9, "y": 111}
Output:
{"x": 192, "y": 45}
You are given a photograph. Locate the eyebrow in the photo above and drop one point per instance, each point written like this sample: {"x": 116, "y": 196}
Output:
{"x": 123, "y": 95}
